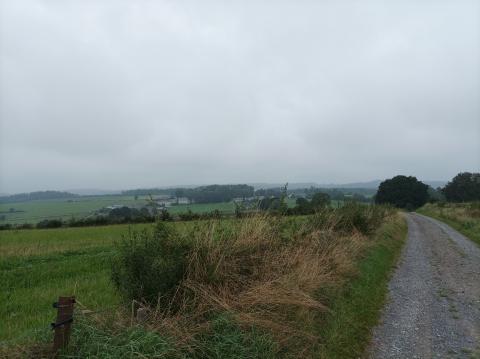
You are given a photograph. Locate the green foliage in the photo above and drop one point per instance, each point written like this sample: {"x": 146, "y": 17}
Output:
{"x": 365, "y": 219}
{"x": 282, "y": 204}
{"x": 302, "y": 206}
{"x": 464, "y": 217}
{"x": 226, "y": 339}
{"x": 91, "y": 341}
{"x": 350, "y": 217}
{"x": 402, "y": 192}
{"x": 149, "y": 265}
{"x": 356, "y": 308}
{"x": 50, "y": 223}
{"x": 219, "y": 193}
{"x": 435, "y": 195}
{"x": 343, "y": 194}
{"x": 320, "y": 200}
{"x": 464, "y": 187}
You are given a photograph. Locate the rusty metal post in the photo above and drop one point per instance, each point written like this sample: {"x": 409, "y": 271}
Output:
{"x": 63, "y": 324}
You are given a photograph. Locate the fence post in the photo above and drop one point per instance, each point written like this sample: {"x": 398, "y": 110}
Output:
{"x": 63, "y": 323}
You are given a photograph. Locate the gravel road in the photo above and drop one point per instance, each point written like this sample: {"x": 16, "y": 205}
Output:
{"x": 434, "y": 297}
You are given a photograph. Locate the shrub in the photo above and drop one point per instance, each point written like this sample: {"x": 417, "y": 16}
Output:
{"x": 350, "y": 217}
{"x": 165, "y": 215}
{"x": 149, "y": 266}
{"x": 320, "y": 200}
{"x": 188, "y": 215}
{"x": 50, "y": 223}
{"x": 5, "y": 226}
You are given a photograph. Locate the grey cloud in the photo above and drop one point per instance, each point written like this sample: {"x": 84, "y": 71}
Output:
{"x": 119, "y": 94}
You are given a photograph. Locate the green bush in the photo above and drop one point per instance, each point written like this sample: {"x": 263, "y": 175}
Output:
{"x": 363, "y": 218}
{"x": 350, "y": 217}
{"x": 148, "y": 266}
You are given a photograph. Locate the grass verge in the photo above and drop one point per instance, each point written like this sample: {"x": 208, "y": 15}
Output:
{"x": 464, "y": 217}
{"x": 356, "y": 308}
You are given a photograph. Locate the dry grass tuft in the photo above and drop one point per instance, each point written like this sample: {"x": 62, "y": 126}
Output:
{"x": 248, "y": 269}
{"x": 259, "y": 278}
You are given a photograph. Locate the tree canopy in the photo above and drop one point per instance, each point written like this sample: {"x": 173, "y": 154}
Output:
{"x": 402, "y": 192}
{"x": 463, "y": 187}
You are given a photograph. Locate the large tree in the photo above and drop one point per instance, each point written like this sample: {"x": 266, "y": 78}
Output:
{"x": 402, "y": 192}
{"x": 463, "y": 187}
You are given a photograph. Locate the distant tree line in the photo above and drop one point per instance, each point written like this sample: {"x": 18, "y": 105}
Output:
{"x": 150, "y": 191}
{"x": 202, "y": 194}
{"x": 216, "y": 193}
{"x": 33, "y": 196}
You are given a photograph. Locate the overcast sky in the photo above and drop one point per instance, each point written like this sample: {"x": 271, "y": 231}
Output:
{"x": 124, "y": 94}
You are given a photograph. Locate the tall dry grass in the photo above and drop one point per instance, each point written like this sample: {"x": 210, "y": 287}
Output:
{"x": 261, "y": 279}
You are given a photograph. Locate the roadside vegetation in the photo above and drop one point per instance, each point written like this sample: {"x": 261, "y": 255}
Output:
{"x": 258, "y": 286}
{"x": 464, "y": 217}
{"x": 458, "y": 205}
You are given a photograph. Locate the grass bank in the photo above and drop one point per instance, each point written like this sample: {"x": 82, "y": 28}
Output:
{"x": 464, "y": 217}
{"x": 254, "y": 288}
{"x": 355, "y": 308}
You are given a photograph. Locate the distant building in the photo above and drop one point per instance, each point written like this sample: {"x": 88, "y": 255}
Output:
{"x": 115, "y": 206}
{"x": 183, "y": 200}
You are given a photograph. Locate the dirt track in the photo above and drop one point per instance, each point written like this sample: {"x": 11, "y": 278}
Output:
{"x": 434, "y": 297}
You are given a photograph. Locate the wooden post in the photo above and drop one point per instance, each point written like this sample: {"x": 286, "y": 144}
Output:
{"x": 63, "y": 324}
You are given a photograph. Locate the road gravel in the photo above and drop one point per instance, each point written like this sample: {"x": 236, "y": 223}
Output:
{"x": 434, "y": 297}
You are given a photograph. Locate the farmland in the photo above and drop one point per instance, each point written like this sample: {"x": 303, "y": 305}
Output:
{"x": 41, "y": 264}
{"x": 35, "y": 211}
{"x": 79, "y": 207}
{"x": 38, "y": 265}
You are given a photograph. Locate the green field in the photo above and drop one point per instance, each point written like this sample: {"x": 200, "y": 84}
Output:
{"x": 43, "y": 264}
{"x": 35, "y": 211}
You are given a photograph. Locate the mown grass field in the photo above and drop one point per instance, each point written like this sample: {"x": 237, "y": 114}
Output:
{"x": 39, "y": 265}
{"x": 35, "y": 211}
{"x": 464, "y": 217}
